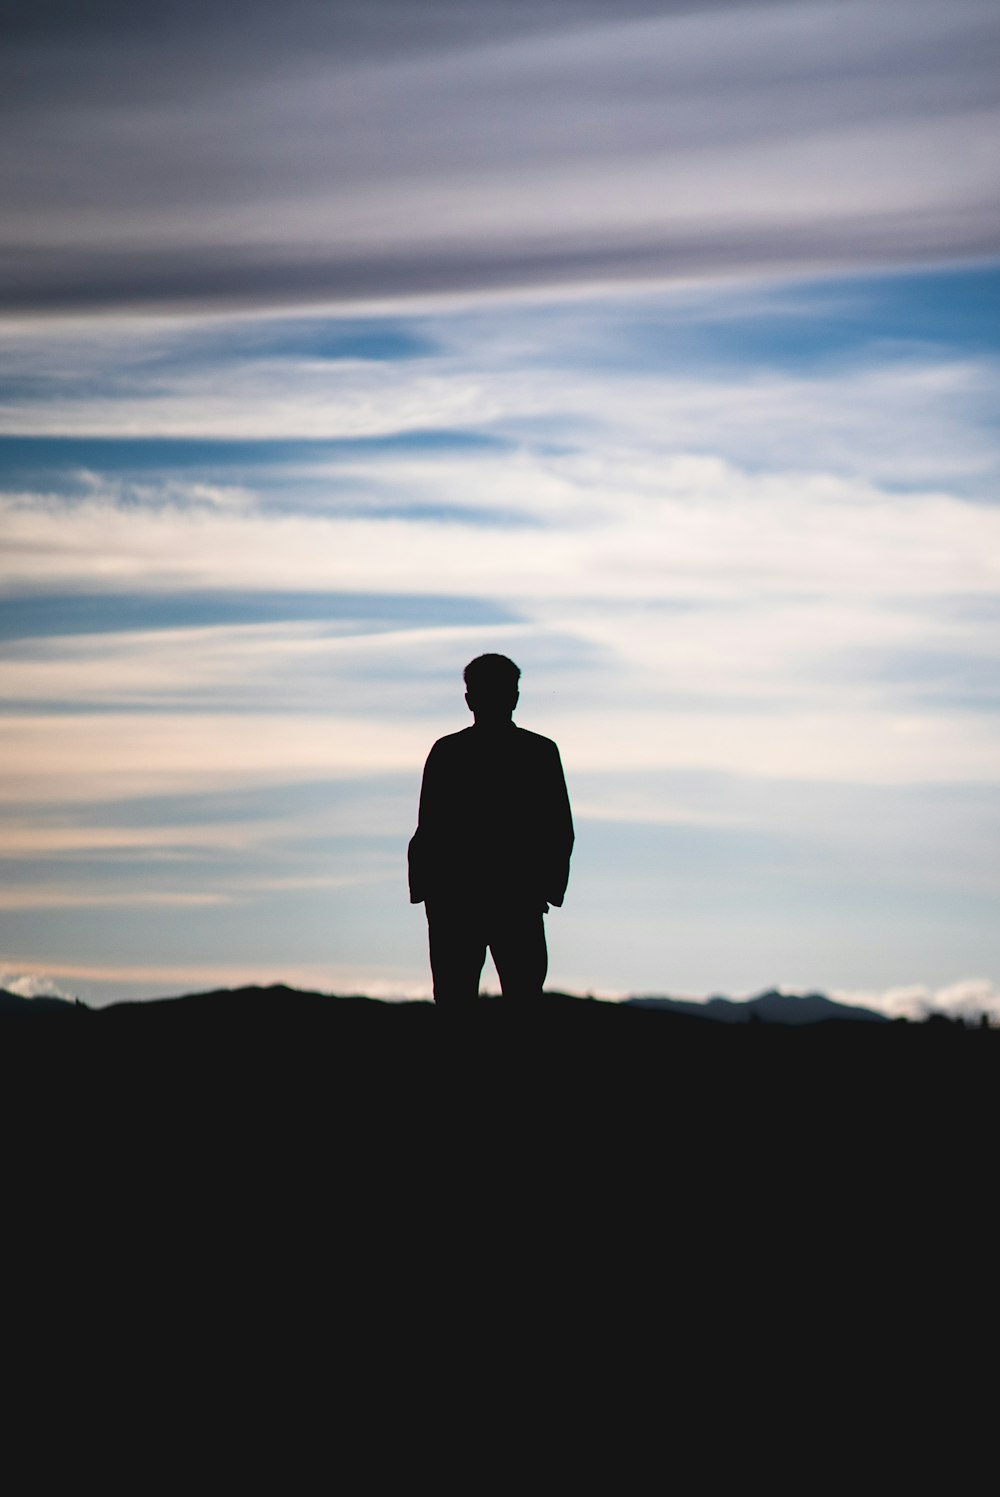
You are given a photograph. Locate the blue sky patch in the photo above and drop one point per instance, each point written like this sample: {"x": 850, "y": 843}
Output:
{"x": 39, "y": 617}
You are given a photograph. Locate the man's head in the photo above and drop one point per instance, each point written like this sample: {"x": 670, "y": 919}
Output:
{"x": 491, "y": 689}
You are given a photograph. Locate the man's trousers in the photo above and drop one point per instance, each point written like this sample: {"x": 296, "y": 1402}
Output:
{"x": 459, "y": 935}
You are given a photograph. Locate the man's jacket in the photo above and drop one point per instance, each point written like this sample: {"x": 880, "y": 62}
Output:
{"x": 495, "y": 823}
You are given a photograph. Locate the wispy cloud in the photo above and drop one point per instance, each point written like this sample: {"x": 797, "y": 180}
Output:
{"x": 47, "y": 898}
{"x": 682, "y": 528}
{"x": 583, "y": 386}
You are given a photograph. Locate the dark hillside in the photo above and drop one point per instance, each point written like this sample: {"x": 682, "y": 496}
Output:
{"x": 630, "y": 1068}
{"x": 269, "y": 1179}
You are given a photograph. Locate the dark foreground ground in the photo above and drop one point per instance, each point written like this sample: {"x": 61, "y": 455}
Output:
{"x": 220, "y": 1085}
{"x": 453, "y": 1242}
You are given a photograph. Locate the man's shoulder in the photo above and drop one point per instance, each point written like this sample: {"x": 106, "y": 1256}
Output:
{"x": 534, "y": 743}
{"x": 453, "y": 743}
{"x": 466, "y": 741}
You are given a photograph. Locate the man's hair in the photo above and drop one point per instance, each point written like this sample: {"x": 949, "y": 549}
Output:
{"x": 490, "y": 674}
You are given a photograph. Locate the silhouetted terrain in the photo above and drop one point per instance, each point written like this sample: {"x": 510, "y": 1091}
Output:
{"x": 264, "y": 1180}
{"x": 279, "y": 1001}
{"x": 347, "y": 1121}
{"x": 646, "y": 1064}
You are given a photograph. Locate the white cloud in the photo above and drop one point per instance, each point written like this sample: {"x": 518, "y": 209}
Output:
{"x": 32, "y": 985}
{"x": 262, "y": 398}
{"x": 683, "y": 528}
{"x": 968, "y": 999}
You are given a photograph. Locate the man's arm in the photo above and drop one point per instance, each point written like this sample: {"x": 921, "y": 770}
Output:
{"x": 415, "y": 870}
{"x": 561, "y": 832}
{"x": 420, "y": 850}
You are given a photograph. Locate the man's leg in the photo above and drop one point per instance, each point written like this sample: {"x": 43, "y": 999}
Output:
{"x": 456, "y": 936}
{"x": 517, "y": 941}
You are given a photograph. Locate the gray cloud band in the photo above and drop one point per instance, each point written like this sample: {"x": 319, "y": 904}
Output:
{"x": 226, "y": 277}
{"x": 490, "y": 147}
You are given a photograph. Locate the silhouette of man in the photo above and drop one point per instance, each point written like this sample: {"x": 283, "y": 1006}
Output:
{"x": 492, "y": 846}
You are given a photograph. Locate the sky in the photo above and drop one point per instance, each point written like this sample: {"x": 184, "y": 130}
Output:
{"x": 653, "y": 345}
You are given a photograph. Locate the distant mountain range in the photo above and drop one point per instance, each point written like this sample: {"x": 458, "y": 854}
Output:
{"x": 771, "y": 1007}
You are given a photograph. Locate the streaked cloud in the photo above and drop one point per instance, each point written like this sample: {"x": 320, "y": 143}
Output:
{"x": 48, "y": 898}
{"x": 458, "y": 149}
{"x": 701, "y": 533}
{"x": 615, "y": 392}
